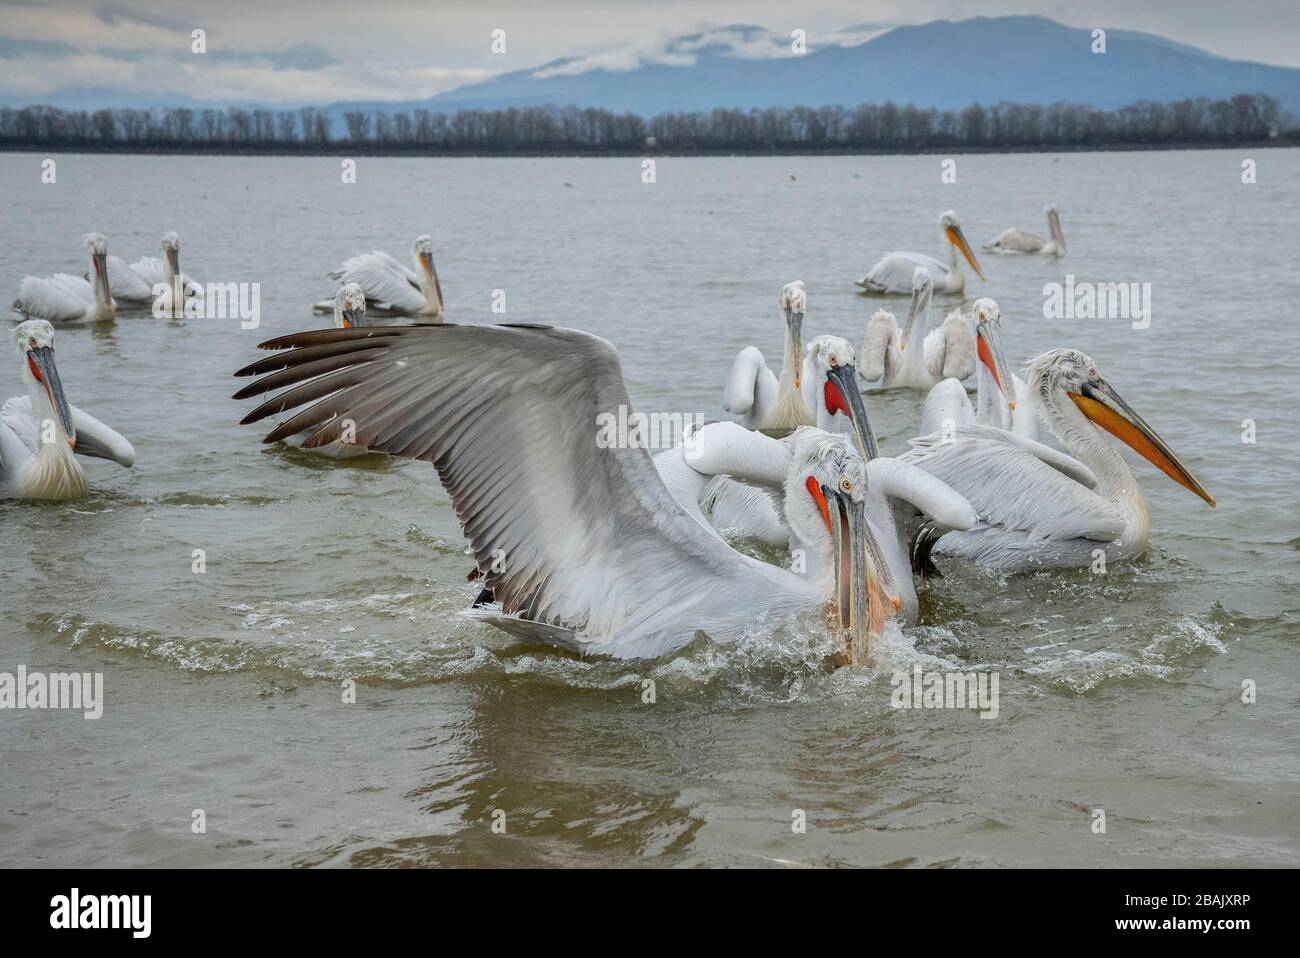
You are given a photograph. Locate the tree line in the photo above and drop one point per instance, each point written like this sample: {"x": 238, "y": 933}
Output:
{"x": 570, "y": 129}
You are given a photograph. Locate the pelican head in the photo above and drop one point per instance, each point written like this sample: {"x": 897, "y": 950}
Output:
{"x": 350, "y": 307}
{"x": 832, "y": 364}
{"x": 97, "y": 248}
{"x": 950, "y": 231}
{"x": 34, "y": 340}
{"x": 793, "y": 300}
{"x": 988, "y": 347}
{"x": 171, "y": 248}
{"x": 825, "y": 495}
{"x": 1063, "y": 373}
{"x": 1054, "y": 226}
{"x": 922, "y": 290}
{"x": 422, "y": 254}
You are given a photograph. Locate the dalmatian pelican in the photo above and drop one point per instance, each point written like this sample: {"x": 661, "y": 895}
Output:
{"x": 63, "y": 297}
{"x": 1001, "y": 398}
{"x": 153, "y": 280}
{"x": 737, "y": 474}
{"x": 579, "y": 542}
{"x": 753, "y": 393}
{"x": 1038, "y": 508}
{"x": 892, "y": 274}
{"x": 1021, "y": 241}
{"x": 41, "y": 431}
{"x": 391, "y": 286}
{"x": 916, "y": 357}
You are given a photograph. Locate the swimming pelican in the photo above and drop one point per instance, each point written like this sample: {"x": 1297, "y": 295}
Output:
{"x": 393, "y": 287}
{"x": 741, "y": 471}
{"x": 829, "y": 386}
{"x": 1001, "y": 398}
{"x": 1036, "y": 506}
{"x": 948, "y": 351}
{"x": 1020, "y": 241}
{"x": 579, "y": 541}
{"x": 349, "y": 313}
{"x": 40, "y": 432}
{"x": 893, "y": 272}
{"x": 135, "y": 283}
{"x": 753, "y": 393}
{"x": 64, "y": 297}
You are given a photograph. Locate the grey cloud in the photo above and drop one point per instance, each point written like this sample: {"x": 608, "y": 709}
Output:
{"x": 11, "y": 48}
{"x": 112, "y": 13}
{"x": 304, "y": 56}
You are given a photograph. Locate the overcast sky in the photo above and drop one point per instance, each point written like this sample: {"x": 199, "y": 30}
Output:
{"x": 291, "y": 51}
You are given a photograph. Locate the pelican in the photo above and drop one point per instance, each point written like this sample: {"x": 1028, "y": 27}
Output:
{"x": 753, "y": 393}
{"x": 1038, "y": 508}
{"x": 1001, "y": 398}
{"x": 742, "y": 471}
{"x": 893, "y": 273}
{"x": 136, "y": 283}
{"x": 66, "y": 298}
{"x": 349, "y": 313}
{"x": 391, "y": 286}
{"x": 40, "y": 432}
{"x": 580, "y": 542}
{"x": 829, "y": 386}
{"x": 948, "y": 351}
{"x": 1020, "y": 241}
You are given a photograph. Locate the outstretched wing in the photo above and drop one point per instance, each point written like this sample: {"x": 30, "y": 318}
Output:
{"x": 386, "y": 282}
{"x": 1012, "y": 488}
{"x": 569, "y": 529}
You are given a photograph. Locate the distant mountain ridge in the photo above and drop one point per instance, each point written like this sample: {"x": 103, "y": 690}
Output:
{"x": 942, "y": 64}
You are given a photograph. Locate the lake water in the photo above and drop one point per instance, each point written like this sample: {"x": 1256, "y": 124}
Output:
{"x": 1120, "y": 692}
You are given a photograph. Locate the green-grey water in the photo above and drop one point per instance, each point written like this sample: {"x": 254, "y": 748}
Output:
{"x": 1120, "y": 692}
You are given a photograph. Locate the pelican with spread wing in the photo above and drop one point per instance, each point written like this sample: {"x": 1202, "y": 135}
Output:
{"x": 1039, "y": 508}
{"x": 391, "y": 286}
{"x": 41, "y": 434}
{"x": 67, "y": 298}
{"x": 578, "y": 540}
{"x": 1022, "y": 241}
{"x": 892, "y": 273}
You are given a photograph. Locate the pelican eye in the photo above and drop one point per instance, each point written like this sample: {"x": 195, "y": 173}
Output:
{"x": 834, "y": 361}
{"x": 31, "y": 342}
{"x": 846, "y": 485}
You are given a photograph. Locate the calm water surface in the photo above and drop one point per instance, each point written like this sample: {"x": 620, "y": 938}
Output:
{"x": 1120, "y": 692}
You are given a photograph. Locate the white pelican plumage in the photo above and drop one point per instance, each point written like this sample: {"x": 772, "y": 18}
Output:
{"x": 136, "y": 283}
{"x": 915, "y": 357}
{"x": 1021, "y": 241}
{"x": 391, "y": 286}
{"x": 754, "y": 393}
{"x": 893, "y": 272}
{"x": 745, "y": 468}
{"x": 579, "y": 541}
{"x": 1001, "y": 398}
{"x": 40, "y": 432}
{"x": 1038, "y": 508}
{"x": 67, "y": 298}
